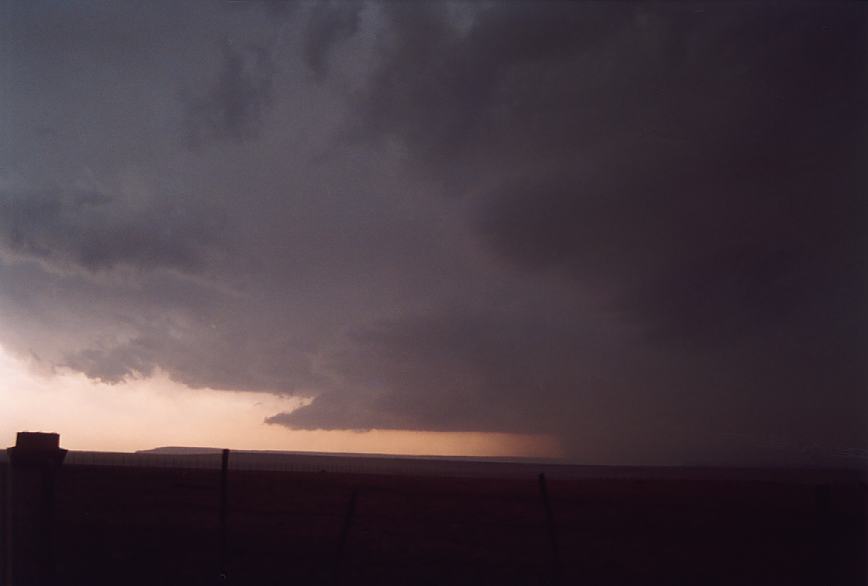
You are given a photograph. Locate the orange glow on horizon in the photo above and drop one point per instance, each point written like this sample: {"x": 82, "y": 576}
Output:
{"x": 148, "y": 413}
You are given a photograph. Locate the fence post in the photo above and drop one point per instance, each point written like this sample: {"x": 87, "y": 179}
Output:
{"x": 823, "y": 502}
{"x": 224, "y": 472}
{"x": 5, "y": 578}
{"x": 33, "y": 466}
{"x": 550, "y": 523}
{"x": 348, "y": 521}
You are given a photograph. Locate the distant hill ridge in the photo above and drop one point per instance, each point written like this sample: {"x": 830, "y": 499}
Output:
{"x": 194, "y": 450}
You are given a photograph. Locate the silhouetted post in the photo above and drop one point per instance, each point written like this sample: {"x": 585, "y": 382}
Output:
{"x": 550, "y": 522}
{"x": 5, "y": 578}
{"x": 224, "y": 474}
{"x": 823, "y": 502}
{"x": 33, "y": 466}
{"x": 348, "y": 521}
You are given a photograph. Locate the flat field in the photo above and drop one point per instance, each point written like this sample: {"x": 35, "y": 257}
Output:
{"x": 139, "y": 525}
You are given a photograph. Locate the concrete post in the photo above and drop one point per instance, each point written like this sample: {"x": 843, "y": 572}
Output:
{"x": 33, "y": 466}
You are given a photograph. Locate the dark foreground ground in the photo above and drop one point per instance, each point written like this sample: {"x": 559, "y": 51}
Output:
{"x": 122, "y": 525}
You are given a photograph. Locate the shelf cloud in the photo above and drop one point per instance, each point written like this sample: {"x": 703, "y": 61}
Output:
{"x": 641, "y": 229}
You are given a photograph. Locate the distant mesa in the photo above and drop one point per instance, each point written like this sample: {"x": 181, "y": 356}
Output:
{"x": 180, "y": 451}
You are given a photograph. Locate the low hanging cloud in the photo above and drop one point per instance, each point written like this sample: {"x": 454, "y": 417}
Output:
{"x": 456, "y": 371}
{"x": 637, "y": 228}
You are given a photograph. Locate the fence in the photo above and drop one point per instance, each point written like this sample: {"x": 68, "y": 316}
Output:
{"x": 169, "y": 490}
{"x": 341, "y": 464}
{"x": 252, "y": 517}
{"x": 4, "y": 521}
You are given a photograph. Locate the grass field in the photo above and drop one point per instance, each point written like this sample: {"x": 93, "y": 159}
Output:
{"x": 138, "y": 525}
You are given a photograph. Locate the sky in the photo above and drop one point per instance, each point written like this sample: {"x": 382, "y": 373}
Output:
{"x": 610, "y": 232}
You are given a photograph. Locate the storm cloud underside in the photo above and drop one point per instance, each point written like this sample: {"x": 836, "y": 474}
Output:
{"x": 639, "y": 228}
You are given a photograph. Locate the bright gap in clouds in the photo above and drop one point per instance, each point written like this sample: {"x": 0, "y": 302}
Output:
{"x": 157, "y": 411}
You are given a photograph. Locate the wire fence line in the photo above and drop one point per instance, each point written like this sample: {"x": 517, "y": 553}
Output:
{"x": 311, "y": 463}
{"x": 544, "y": 519}
{"x": 440, "y": 466}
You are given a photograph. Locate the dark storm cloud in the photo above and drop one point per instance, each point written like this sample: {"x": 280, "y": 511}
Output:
{"x": 446, "y": 93}
{"x": 638, "y": 227}
{"x": 697, "y": 169}
{"x": 532, "y": 371}
{"x": 235, "y": 105}
{"x": 701, "y": 165}
{"x": 451, "y": 371}
{"x": 89, "y": 230}
{"x": 330, "y": 23}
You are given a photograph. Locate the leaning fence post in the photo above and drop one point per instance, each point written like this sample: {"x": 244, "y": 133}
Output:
{"x": 823, "y": 563}
{"x": 348, "y": 521}
{"x": 224, "y": 472}
{"x": 550, "y": 523}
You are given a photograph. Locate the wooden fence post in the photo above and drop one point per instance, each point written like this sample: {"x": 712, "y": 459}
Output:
{"x": 824, "y": 567}
{"x": 550, "y": 523}
{"x": 224, "y": 473}
{"x": 348, "y": 521}
{"x": 5, "y": 578}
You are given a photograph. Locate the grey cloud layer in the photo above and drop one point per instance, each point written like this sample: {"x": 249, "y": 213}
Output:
{"x": 97, "y": 232}
{"x": 330, "y": 23}
{"x": 234, "y": 107}
{"x": 639, "y": 228}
